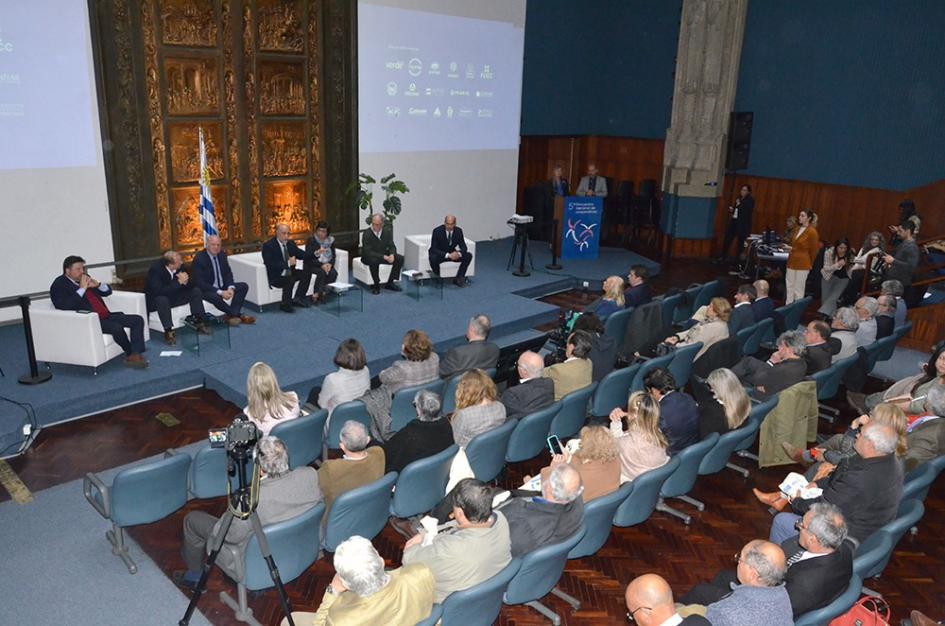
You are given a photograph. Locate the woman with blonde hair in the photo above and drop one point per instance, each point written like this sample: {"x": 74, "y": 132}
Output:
{"x": 640, "y": 441}
{"x": 712, "y": 329}
{"x": 266, "y": 403}
{"x": 597, "y": 460}
{"x": 477, "y": 407}
{"x": 723, "y": 403}
{"x": 612, "y": 300}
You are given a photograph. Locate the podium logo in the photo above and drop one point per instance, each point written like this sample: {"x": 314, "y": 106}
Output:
{"x": 5, "y": 46}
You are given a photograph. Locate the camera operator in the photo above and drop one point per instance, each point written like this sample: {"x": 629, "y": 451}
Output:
{"x": 283, "y": 494}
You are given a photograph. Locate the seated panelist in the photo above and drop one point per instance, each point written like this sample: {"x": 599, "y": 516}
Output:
{"x": 214, "y": 278}
{"x": 320, "y": 259}
{"x": 448, "y": 244}
{"x": 377, "y": 248}
{"x": 279, "y": 255}
{"x": 168, "y": 286}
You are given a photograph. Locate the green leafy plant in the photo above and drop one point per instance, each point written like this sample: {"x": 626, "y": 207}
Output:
{"x": 363, "y": 191}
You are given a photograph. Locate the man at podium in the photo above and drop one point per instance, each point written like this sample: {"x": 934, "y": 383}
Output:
{"x": 448, "y": 244}
{"x": 592, "y": 184}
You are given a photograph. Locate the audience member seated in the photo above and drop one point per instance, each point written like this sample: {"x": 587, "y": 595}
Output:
{"x": 649, "y": 600}
{"x": 784, "y": 368}
{"x": 378, "y": 248}
{"x": 477, "y": 353}
{"x": 214, "y": 278}
{"x": 74, "y": 290}
{"x": 909, "y": 393}
{"x": 283, "y": 494}
{"x": 867, "y": 488}
{"x": 597, "y": 460}
{"x": 477, "y": 409}
{"x": 834, "y": 275}
{"x": 266, "y": 404}
{"x": 592, "y": 184}
{"x": 448, "y": 244}
{"x": 894, "y": 288}
{"x": 577, "y": 370}
{"x": 901, "y": 265}
{"x": 423, "y": 437}
{"x": 874, "y": 244}
{"x": 925, "y": 436}
{"x": 279, "y": 256}
{"x": 358, "y": 466}
{"x": 475, "y": 550}
{"x": 168, "y": 286}
{"x": 679, "y": 413}
{"x": 641, "y": 443}
{"x": 320, "y": 259}
{"x": 759, "y": 595}
{"x": 865, "y": 309}
{"x": 844, "y": 326}
{"x": 552, "y": 517}
{"x": 763, "y": 306}
{"x": 638, "y": 292}
{"x": 363, "y": 593}
{"x": 603, "y": 348}
{"x": 819, "y": 564}
{"x": 349, "y": 382}
{"x": 819, "y": 354}
{"x": 742, "y": 315}
{"x": 420, "y": 365}
{"x": 885, "y": 316}
{"x": 533, "y": 392}
{"x": 612, "y": 300}
{"x": 723, "y": 403}
{"x": 711, "y": 329}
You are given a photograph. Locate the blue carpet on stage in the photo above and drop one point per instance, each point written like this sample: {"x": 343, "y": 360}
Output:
{"x": 300, "y": 347}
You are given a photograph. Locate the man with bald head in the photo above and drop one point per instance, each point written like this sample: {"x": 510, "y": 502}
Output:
{"x": 759, "y": 597}
{"x": 168, "y": 286}
{"x": 592, "y": 184}
{"x": 533, "y": 392}
{"x": 448, "y": 244}
{"x": 214, "y": 278}
{"x": 280, "y": 255}
{"x": 650, "y": 603}
{"x": 378, "y": 248}
{"x": 549, "y": 517}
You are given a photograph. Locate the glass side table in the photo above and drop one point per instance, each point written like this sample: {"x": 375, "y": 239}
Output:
{"x": 193, "y": 341}
{"x": 344, "y": 298}
{"x": 419, "y": 284}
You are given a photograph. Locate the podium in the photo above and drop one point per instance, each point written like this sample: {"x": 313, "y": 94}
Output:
{"x": 579, "y": 220}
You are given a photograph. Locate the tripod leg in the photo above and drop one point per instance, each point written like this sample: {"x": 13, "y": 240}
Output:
{"x": 273, "y": 570}
{"x": 215, "y": 543}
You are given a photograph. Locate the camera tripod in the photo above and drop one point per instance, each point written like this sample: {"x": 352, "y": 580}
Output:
{"x": 240, "y": 504}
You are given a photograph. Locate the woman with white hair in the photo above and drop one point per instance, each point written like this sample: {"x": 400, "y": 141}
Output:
{"x": 266, "y": 403}
{"x": 723, "y": 403}
{"x": 363, "y": 593}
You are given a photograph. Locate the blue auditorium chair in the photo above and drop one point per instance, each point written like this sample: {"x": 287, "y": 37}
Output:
{"x": 302, "y": 437}
{"x": 708, "y": 291}
{"x": 917, "y": 482}
{"x": 599, "y": 520}
{"x": 683, "y": 479}
{"x": 354, "y": 410}
{"x": 867, "y": 562}
{"x": 668, "y": 306}
{"x": 757, "y": 415}
{"x": 477, "y": 606}
{"x": 680, "y": 366}
{"x": 910, "y": 512}
{"x": 486, "y": 451}
{"x": 613, "y": 390}
{"x": 717, "y": 458}
{"x": 570, "y": 419}
{"x": 685, "y": 310}
{"x": 745, "y": 335}
{"x": 615, "y": 326}
{"x": 138, "y": 495}
{"x": 792, "y": 317}
{"x": 762, "y": 329}
{"x": 208, "y": 476}
{"x": 822, "y": 617}
{"x": 422, "y": 484}
{"x": 362, "y": 511}
{"x": 888, "y": 348}
{"x": 641, "y": 502}
{"x": 449, "y": 391}
{"x": 530, "y": 434}
{"x": 648, "y": 366}
{"x": 828, "y": 384}
{"x": 402, "y": 411}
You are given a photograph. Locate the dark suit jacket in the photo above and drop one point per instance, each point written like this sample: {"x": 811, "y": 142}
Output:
{"x": 528, "y": 397}
{"x": 311, "y": 247}
{"x": 742, "y": 317}
{"x": 374, "y": 249}
{"x": 763, "y": 309}
{"x": 536, "y": 522}
{"x": 440, "y": 247}
{"x": 679, "y": 421}
{"x": 814, "y": 583}
{"x": 780, "y": 376}
{"x": 202, "y": 270}
{"x": 275, "y": 263}
{"x": 745, "y": 206}
{"x": 884, "y": 326}
{"x": 635, "y": 296}
{"x": 550, "y": 187}
{"x": 473, "y": 355}
{"x": 695, "y": 620}
{"x": 712, "y": 418}
{"x": 417, "y": 440}
{"x": 63, "y": 294}
{"x": 818, "y": 357}
{"x": 161, "y": 283}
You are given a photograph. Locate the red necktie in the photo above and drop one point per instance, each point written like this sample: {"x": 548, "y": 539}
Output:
{"x": 98, "y": 305}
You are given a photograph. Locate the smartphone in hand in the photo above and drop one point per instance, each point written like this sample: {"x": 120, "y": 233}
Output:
{"x": 554, "y": 445}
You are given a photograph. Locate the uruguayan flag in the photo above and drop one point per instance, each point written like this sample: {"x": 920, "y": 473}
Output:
{"x": 207, "y": 217}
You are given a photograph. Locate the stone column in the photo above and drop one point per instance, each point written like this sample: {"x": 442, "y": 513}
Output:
{"x": 710, "y": 44}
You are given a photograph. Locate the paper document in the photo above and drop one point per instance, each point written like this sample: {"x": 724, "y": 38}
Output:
{"x": 171, "y": 352}
{"x": 795, "y": 483}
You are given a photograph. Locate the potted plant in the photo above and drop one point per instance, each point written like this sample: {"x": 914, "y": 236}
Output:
{"x": 393, "y": 188}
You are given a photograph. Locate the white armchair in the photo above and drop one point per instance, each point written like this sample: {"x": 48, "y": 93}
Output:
{"x": 362, "y": 273}
{"x": 416, "y": 257}
{"x": 249, "y": 268}
{"x": 76, "y": 338}
{"x": 178, "y": 314}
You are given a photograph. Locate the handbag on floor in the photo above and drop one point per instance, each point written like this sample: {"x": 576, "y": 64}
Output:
{"x": 868, "y": 611}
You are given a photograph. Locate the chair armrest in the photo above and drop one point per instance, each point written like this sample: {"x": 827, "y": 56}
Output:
{"x": 342, "y": 265}
{"x": 67, "y": 336}
{"x": 104, "y": 507}
{"x": 130, "y": 303}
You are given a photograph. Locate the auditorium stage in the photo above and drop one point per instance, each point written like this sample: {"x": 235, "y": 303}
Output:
{"x": 300, "y": 347}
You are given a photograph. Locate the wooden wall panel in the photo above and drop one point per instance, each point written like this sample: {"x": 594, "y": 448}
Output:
{"x": 928, "y": 327}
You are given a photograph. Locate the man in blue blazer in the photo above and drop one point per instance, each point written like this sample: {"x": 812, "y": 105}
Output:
{"x": 742, "y": 314}
{"x": 679, "y": 413}
{"x": 168, "y": 286}
{"x": 214, "y": 278}
{"x": 280, "y": 254}
{"x": 448, "y": 244}
{"x": 763, "y": 306}
{"x": 75, "y": 290}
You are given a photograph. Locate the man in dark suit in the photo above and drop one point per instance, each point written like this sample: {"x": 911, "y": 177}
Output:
{"x": 533, "y": 392}
{"x": 819, "y": 348}
{"x": 819, "y": 564}
{"x": 448, "y": 244}
{"x": 75, "y": 290}
{"x": 639, "y": 291}
{"x": 377, "y": 247}
{"x": 214, "y": 278}
{"x": 477, "y": 353}
{"x": 763, "y": 306}
{"x": 679, "y": 413}
{"x": 650, "y": 602}
{"x": 784, "y": 368}
{"x": 885, "y": 316}
{"x": 742, "y": 314}
{"x": 168, "y": 286}
{"x": 280, "y": 255}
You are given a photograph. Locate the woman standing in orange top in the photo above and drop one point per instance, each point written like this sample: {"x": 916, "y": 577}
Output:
{"x": 803, "y": 248}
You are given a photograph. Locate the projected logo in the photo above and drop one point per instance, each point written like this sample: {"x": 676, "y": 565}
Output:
{"x": 580, "y": 239}
{"x": 414, "y": 67}
{"x": 391, "y": 88}
{"x": 580, "y": 233}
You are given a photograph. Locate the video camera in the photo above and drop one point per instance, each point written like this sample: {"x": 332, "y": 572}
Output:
{"x": 239, "y": 438}
{"x": 559, "y": 336}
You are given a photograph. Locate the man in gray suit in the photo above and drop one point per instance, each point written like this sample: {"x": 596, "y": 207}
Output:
{"x": 533, "y": 393}
{"x": 477, "y": 353}
{"x": 592, "y": 184}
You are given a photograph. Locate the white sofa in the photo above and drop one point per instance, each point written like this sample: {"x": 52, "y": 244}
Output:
{"x": 249, "y": 268}
{"x": 417, "y": 257}
{"x": 76, "y": 338}
{"x": 362, "y": 273}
